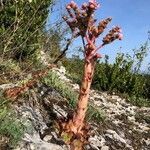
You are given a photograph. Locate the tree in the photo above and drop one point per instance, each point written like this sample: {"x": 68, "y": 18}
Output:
{"x": 22, "y": 23}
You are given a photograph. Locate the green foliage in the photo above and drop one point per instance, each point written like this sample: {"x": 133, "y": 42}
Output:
{"x": 95, "y": 114}
{"x": 3, "y": 101}
{"x": 8, "y": 70}
{"x": 123, "y": 76}
{"x": 139, "y": 101}
{"x": 22, "y": 24}
{"x": 53, "y": 80}
{"x": 119, "y": 76}
{"x": 66, "y": 136}
{"x": 73, "y": 66}
{"x": 23, "y": 37}
{"x": 10, "y": 126}
{"x": 147, "y": 85}
{"x": 9, "y": 66}
{"x": 51, "y": 44}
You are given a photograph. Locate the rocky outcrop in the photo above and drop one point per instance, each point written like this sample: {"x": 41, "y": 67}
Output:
{"x": 125, "y": 127}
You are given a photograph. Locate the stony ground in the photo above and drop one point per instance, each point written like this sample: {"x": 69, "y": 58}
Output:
{"x": 126, "y": 127}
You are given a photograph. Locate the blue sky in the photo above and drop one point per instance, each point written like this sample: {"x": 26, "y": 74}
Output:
{"x": 133, "y": 16}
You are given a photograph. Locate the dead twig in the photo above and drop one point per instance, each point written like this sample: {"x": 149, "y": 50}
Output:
{"x": 64, "y": 51}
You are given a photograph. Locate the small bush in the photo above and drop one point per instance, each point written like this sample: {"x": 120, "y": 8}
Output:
{"x": 8, "y": 69}
{"x": 53, "y": 80}
{"x": 95, "y": 114}
{"x": 10, "y": 126}
{"x": 119, "y": 77}
{"x": 139, "y": 101}
{"x": 22, "y": 24}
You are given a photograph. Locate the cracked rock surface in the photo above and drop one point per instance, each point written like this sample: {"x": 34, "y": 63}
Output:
{"x": 126, "y": 127}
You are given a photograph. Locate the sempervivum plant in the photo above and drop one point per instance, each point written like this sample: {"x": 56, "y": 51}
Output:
{"x": 82, "y": 23}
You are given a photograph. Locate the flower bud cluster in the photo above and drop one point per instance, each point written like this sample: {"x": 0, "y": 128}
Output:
{"x": 80, "y": 18}
{"x": 95, "y": 31}
{"x": 113, "y": 34}
{"x": 103, "y": 24}
{"x": 82, "y": 23}
{"x": 93, "y": 5}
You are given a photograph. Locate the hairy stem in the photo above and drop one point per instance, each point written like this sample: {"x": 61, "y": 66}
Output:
{"x": 80, "y": 112}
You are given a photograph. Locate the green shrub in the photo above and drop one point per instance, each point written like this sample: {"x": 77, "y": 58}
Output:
{"x": 94, "y": 113}
{"x": 22, "y": 24}
{"x": 119, "y": 77}
{"x": 10, "y": 125}
{"x": 139, "y": 101}
{"x": 53, "y": 80}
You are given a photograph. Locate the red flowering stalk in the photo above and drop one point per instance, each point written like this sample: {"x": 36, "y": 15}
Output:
{"x": 82, "y": 23}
